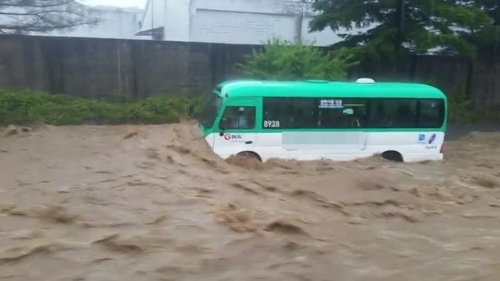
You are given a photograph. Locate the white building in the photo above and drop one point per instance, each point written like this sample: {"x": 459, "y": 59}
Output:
{"x": 231, "y": 21}
{"x": 212, "y": 21}
{"x": 116, "y": 23}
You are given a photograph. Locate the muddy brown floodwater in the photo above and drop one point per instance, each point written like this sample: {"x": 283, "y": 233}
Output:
{"x": 153, "y": 203}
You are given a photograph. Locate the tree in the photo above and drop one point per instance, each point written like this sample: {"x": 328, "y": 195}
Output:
{"x": 281, "y": 59}
{"x": 488, "y": 38}
{"x": 28, "y": 16}
{"x": 395, "y": 26}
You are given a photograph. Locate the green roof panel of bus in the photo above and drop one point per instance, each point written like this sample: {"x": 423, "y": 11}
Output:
{"x": 256, "y": 88}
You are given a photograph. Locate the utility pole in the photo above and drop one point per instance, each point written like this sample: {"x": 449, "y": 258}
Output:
{"x": 299, "y": 20}
{"x": 153, "y": 19}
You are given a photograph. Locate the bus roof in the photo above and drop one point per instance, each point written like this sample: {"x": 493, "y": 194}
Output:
{"x": 320, "y": 88}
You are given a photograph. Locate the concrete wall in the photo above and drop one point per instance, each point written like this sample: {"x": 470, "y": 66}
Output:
{"x": 89, "y": 67}
{"x": 101, "y": 67}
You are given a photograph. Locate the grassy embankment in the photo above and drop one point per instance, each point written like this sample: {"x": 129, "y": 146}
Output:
{"x": 28, "y": 108}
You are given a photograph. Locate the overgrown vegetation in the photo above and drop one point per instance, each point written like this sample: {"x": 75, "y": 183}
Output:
{"x": 25, "y": 108}
{"x": 284, "y": 60}
{"x": 394, "y": 27}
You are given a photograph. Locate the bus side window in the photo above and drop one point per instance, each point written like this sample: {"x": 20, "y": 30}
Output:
{"x": 238, "y": 117}
{"x": 289, "y": 113}
{"x": 406, "y": 114}
{"x": 380, "y": 116}
{"x": 431, "y": 114}
{"x": 350, "y": 114}
{"x": 393, "y": 113}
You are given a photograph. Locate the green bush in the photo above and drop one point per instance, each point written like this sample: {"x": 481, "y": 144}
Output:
{"x": 283, "y": 60}
{"x": 24, "y": 107}
{"x": 461, "y": 111}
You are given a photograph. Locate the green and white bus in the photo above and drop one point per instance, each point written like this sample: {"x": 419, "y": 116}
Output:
{"x": 312, "y": 120}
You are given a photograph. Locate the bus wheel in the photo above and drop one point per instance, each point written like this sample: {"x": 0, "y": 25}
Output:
{"x": 250, "y": 155}
{"x": 392, "y": 156}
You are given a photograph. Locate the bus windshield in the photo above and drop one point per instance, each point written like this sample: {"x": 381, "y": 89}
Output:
{"x": 210, "y": 111}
